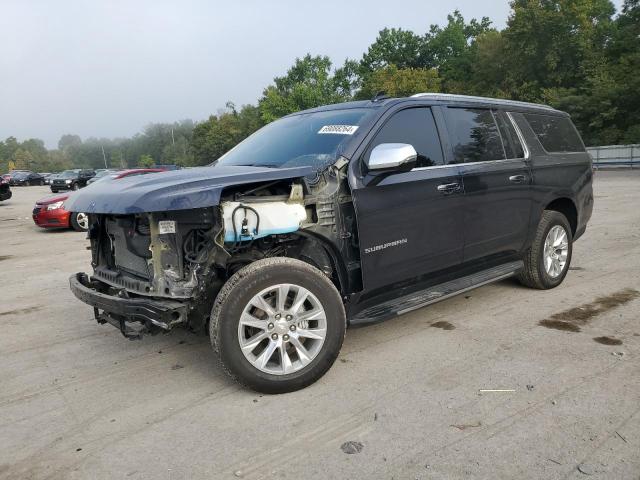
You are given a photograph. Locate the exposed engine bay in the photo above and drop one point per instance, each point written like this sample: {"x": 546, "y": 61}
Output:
{"x": 183, "y": 257}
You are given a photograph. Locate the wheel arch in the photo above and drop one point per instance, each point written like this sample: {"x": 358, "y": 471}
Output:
{"x": 567, "y": 207}
{"x": 341, "y": 278}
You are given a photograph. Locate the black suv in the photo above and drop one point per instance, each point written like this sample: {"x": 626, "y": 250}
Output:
{"x": 71, "y": 180}
{"x": 25, "y": 177}
{"x": 341, "y": 215}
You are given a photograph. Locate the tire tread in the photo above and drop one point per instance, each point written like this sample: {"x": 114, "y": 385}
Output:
{"x": 228, "y": 288}
{"x": 530, "y": 276}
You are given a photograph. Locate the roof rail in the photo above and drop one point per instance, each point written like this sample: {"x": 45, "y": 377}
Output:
{"x": 497, "y": 101}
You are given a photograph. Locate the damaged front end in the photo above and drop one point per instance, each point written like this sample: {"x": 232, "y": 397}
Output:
{"x": 155, "y": 271}
{"x": 150, "y": 269}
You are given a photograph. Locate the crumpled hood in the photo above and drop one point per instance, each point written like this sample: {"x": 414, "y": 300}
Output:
{"x": 174, "y": 190}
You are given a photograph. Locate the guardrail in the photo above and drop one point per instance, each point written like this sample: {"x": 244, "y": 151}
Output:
{"x": 615, "y": 156}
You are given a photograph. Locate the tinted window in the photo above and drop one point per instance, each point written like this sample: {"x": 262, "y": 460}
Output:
{"x": 416, "y": 127}
{"x": 556, "y": 134}
{"x": 510, "y": 138}
{"x": 474, "y": 135}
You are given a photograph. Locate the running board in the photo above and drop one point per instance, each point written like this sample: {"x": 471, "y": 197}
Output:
{"x": 413, "y": 301}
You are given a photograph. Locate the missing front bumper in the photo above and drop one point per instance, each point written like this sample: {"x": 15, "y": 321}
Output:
{"x": 133, "y": 316}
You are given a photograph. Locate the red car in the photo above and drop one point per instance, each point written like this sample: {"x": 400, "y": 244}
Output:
{"x": 49, "y": 212}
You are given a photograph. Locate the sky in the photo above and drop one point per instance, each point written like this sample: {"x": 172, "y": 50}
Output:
{"x": 108, "y": 68}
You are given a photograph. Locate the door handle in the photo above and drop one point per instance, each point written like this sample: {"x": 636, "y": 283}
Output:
{"x": 518, "y": 178}
{"x": 448, "y": 188}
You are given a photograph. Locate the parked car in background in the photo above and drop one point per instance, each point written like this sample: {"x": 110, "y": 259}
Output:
{"x": 47, "y": 177}
{"x": 71, "y": 180}
{"x": 5, "y": 190}
{"x": 25, "y": 178}
{"x": 49, "y": 212}
{"x": 7, "y": 176}
{"x": 51, "y": 178}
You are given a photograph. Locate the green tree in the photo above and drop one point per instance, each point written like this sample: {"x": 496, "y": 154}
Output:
{"x": 489, "y": 66}
{"x": 23, "y": 159}
{"x": 452, "y": 49}
{"x": 220, "y": 133}
{"x": 397, "y": 82}
{"x": 554, "y": 44}
{"x": 68, "y": 141}
{"x": 623, "y": 64}
{"x": 146, "y": 161}
{"x": 449, "y": 49}
{"x": 394, "y": 46}
{"x": 309, "y": 83}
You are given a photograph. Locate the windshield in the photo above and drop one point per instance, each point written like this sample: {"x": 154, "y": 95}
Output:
{"x": 68, "y": 174}
{"x": 308, "y": 139}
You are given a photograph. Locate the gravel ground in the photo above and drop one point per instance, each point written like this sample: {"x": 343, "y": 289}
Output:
{"x": 404, "y": 399}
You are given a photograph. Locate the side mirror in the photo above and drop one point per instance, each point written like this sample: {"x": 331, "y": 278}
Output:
{"x": 391, "y": 155}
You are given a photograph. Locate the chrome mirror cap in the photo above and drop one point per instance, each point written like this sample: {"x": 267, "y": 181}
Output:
{"x": 391, "y": 155}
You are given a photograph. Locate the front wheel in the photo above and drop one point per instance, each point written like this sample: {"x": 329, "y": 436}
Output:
{"x": 278, "y": 325}
{"x": 75, "y": 186}
{"x": 547, "y": 261}
{"x": 79, "y": 221}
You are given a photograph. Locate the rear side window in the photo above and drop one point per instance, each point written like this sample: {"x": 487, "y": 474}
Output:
{"x": 474, "y": 135}
{"x": 416, "y": 127}
{"x": 510, "y": 138}
{"x": 556, "y": 134}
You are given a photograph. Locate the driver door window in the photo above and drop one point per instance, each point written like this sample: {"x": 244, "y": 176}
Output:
{"x": 417, "y": 127}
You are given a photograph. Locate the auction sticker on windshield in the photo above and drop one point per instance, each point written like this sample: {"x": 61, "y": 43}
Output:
{"x": 339, "y": 129}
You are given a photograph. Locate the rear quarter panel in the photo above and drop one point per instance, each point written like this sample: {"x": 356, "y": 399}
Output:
{"x": 556, "y": 176}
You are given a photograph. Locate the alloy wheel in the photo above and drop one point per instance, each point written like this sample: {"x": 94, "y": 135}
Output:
{"x": 282, "y": 329}
{"x": 82, "y": 219}
{"x": 556, "y": 249}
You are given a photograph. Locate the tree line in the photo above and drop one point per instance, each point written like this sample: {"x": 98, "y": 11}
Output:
{"x": 576, "y": 55}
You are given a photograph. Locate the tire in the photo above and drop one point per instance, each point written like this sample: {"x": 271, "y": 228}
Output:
{"x": 74, "y": 186}
{"x": 237, "y": 297}
{"x": 54, "y": 191}
{"x": 535, "y": 274}
{"x": 79, "y": 221}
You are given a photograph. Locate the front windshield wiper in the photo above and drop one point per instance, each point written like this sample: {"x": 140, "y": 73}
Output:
{"x": 256, "y": 165}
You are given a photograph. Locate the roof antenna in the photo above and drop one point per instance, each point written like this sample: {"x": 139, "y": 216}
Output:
{"x": 381, "y": 95}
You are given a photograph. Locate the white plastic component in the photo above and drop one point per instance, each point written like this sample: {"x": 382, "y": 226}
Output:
{"x": 275, "y": 217}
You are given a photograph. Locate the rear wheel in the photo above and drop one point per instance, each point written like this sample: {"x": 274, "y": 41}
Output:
{"x": 278, "y": 325}
{"x": 79, "y": 221}
{"x": 547, "y": 261}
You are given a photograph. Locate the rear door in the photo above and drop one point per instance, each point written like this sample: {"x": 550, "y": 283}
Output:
{"x": 497, "y": 182}
{"x": 409, "y": 223}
